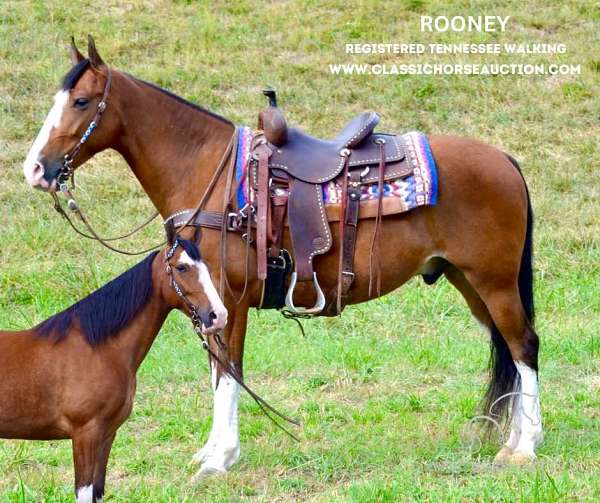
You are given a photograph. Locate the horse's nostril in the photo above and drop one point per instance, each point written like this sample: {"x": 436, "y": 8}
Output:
{"x": 213, "y": 315}
{"x": 38, "y": 169}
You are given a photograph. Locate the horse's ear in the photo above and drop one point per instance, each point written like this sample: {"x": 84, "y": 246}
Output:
{"x": 76, "y": 56}
{"x": 170, "y": 232}
{"x": 95, "y": 58}
{"x": 197, "y": 234}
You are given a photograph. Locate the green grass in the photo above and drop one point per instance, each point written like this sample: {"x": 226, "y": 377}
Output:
{"x": 385, "y": 392}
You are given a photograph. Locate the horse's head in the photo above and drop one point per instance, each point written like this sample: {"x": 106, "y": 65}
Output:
{"x": 189, "y": 286}
{"x": 69, "y": 136}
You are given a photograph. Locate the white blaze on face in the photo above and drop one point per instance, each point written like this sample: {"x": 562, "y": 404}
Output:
{"x": 33, "y": 175}
{"x": 209, "y": 288}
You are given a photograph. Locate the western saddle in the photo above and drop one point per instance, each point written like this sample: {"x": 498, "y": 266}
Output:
{"x": 286, "y": 173}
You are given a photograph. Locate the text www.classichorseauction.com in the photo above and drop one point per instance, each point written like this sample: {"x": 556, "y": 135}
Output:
{"x": 442, "y": 24}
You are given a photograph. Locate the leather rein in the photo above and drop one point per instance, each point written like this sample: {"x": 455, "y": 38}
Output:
{"x": 226, "y": 366}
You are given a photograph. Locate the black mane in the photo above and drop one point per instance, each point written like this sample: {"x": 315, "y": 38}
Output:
{"x": 74, "y": 74}
{"x": 103, "y": 313}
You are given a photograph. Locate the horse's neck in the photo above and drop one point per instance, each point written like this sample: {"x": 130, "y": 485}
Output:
{"x": 137, "y": 337}
{"x": 172, "y": 147}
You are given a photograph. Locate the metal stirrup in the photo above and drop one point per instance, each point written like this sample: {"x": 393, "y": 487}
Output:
{"x": 289, "y": 298}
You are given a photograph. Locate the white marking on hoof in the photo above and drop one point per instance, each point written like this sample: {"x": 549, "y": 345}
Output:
{"x": 222, "y": 448}
{"x": 85, "y": 494}
{"x": 527, "y": 431}
{"x": 204, "y": 453}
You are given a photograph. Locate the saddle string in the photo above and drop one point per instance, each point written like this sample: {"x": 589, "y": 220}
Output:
{"x": 375, "y": 250}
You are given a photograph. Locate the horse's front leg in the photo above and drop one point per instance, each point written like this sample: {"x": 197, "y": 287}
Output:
{"x": 222, "y": 448}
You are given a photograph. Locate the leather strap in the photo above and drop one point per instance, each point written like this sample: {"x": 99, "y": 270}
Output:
{"x": 348, "y": 227}
{"x": 210, "y": 219}
{"x": 376, "y": 240}
{"x": 279, "y": 207}
{"x": 262, "y": 152}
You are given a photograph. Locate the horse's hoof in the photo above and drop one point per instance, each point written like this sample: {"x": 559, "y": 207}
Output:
{"x": 202, "y": 455}
{"x": 503, "y": 456}
{"x": 207, "y": 472}
{"x": 522, "y": 459}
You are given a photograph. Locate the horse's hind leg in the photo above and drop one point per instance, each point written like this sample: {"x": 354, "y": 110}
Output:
{"x": 505, "y": 306}
{"x": 476, "y": 305}
{"x": 86, "y": 447}
{"x": 482, "y": 315}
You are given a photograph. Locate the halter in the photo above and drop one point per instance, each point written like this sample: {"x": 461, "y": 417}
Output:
{"x": 66, "y": 172}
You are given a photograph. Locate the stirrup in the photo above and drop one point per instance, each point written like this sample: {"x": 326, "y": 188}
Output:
{"x": 289, "y": 298}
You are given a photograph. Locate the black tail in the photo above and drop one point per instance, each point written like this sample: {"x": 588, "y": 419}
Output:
{"x": 526, "y": 271}
{"x": 504, "y": 374}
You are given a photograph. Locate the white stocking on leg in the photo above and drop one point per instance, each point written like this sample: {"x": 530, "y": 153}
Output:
{"x": 527, "y": 415}
{"x": 222, "y": 449}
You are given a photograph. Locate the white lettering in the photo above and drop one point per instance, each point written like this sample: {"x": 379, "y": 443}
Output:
{"x": 464, "y": 23}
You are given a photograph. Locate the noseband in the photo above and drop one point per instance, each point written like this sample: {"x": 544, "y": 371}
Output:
{"x": 66, "y": 172}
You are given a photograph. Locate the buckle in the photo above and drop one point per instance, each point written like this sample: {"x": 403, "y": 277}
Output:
{"x": 276, "y": 262}
{"x": 233, "y": 222}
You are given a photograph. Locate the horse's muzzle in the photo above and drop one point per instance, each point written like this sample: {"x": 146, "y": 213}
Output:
{"x": 42, "y": 177}
{"x": 212, "y": 321}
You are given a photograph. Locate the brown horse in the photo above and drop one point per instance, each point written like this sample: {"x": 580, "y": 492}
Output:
{"x": 74, "y": 375}
{"x": 479, "y": 235}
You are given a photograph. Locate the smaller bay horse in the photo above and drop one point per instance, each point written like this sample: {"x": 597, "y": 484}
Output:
{"x": 74, "y": 375}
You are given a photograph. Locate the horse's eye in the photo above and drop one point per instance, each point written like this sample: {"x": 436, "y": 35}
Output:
{"x": 181, "y": 267}
{"x": 82, "y": 103}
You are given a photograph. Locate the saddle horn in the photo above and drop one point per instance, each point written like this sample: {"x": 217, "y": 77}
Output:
{"x": 272, "y": 121}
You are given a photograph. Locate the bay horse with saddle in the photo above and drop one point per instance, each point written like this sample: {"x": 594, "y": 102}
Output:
{"x": 74, "y": 375}
{"x": 310, "y": 226}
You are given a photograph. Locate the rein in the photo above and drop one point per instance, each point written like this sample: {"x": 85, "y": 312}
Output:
{"x": 227, "y": 367}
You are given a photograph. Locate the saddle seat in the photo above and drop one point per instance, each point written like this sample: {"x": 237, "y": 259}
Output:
{"x": 314, "y": 160}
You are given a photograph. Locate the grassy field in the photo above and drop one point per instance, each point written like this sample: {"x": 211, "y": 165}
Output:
{"x": 385, "y": 393}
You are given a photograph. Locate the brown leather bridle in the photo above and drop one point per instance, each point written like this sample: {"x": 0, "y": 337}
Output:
{"x": 66, "y": 172}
